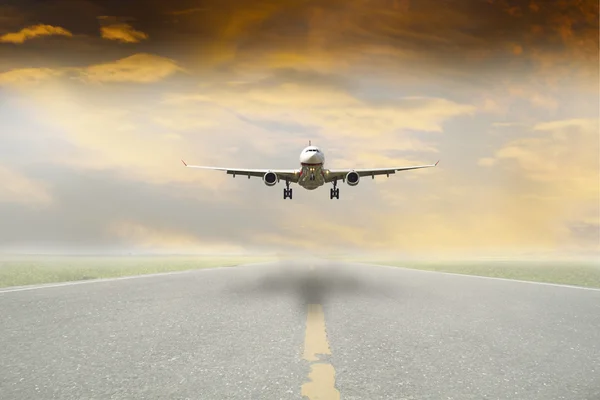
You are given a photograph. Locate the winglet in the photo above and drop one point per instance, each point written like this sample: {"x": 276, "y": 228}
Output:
{"x": 184, "y": 163}
{"x": 437, "y": 163}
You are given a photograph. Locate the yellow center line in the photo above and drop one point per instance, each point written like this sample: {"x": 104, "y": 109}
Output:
{"x": 321, "y": 384}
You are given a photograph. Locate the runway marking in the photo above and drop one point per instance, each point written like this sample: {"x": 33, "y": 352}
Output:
{"x": 321, "y": 384}
{"x": 120, "y": 278}
{"x": 485, "y": 277}
{"x": 315, "y": 341}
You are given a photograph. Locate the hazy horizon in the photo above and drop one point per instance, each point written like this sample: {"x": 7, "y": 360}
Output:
{"x": 99, "y": 102}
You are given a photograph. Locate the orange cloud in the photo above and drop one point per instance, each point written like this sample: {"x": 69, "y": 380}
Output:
{"x": 33, "y": 32}
{"x": 141, "y": 68}
{"x": 123, "y": 33}
{"x": 407, "y": 35}
{"x": 400, "y": 38}
{"x": 138, "y": 68}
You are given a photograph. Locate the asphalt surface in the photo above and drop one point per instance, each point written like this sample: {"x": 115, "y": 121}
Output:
{"x": 239, "y": 333}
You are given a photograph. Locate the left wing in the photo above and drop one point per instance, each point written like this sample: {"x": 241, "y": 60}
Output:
{"x": 285, "y": 174}
{"x": 333, "y": 174}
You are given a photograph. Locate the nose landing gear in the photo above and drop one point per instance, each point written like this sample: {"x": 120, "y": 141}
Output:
{"x": 335, "y": 192}
{"x": 287, "y": 192}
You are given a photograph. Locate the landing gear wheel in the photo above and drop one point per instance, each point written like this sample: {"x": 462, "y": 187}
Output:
{"x": 287, "y": 192}
{"x": 335, "y": 192}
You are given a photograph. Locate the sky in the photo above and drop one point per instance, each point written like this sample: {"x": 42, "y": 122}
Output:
{"x": 100, "y": 100}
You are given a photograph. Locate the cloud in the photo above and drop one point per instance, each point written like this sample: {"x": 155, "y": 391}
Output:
{"x": 373, "y": 83}
{"x": 188, "y": 11}
{"x": 557, "y": 127}
{"x": 535, "y": 98}
{"x": 561, "y": 163}
{"x": 486, "y": 161}
{"x": 564, "y": 152}
{"x": 137, "y": 137}
{"x": 334, "y": 112}
{"x": 400, "y": 41}
{"x": 147, "y": 238}
{"x": 138, "y": 68}
{"x": 98, "y": 210}
{"x": 462, "y": 40}
{"x": 539, "y": 191}
{"x": 404, "y": 36}
{"x": 123, "y": 33}
{"x": 28, "y": 76}
{"x": 33, "y": 32}
{"x": 455, "y": 207}
{"x": 17, "y": 188}
{"x": 380, "y": 132}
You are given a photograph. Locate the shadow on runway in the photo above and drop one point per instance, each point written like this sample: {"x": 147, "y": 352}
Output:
{"x": 316, "y": 286}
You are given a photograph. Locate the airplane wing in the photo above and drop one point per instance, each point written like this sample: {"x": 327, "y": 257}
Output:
{"x": 333, "y": 174}
{"x": 291, "y": 174}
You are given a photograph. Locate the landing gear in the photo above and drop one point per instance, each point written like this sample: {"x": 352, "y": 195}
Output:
{"x": 335, "y": 192}
{"x": 287, "y": 192}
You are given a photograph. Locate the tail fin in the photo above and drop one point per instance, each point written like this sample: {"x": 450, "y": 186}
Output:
{"x": 309, "y": 143}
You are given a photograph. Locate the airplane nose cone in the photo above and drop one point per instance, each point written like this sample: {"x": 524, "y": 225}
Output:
{"x": 314, "y": 159}
{"x": 311, "y": 158}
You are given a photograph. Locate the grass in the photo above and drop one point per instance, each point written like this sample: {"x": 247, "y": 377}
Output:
{"x": 28, "y": 270}
{"x": 577, "y": 273}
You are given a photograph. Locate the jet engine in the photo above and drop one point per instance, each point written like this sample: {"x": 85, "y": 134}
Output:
{"x": 352, "y": 178}
{"x": 270, "y": 178}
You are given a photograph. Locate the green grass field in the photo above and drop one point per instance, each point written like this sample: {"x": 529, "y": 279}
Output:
{"x": 577, "y": 273}
{"x": 28, "y": 270}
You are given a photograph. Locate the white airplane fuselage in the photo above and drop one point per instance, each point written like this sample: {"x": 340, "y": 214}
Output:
{"x": 312, "y": 161}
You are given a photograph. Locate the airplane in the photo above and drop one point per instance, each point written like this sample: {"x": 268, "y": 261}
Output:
{"x": 312, "y": 173}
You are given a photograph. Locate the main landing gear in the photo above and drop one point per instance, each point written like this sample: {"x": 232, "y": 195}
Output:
{"x": 287, "y": 192}
{"x": 335, "y": 192}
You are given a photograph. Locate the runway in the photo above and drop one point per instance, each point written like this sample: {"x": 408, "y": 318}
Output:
{"x": 314, "y": 328}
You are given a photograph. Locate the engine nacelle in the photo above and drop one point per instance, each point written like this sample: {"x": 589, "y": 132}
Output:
{"x": 270, "y": 178}
{"x": 352, "y": 178}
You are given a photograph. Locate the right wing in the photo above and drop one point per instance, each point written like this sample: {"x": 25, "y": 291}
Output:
{"x": 284, "y": 174}
{"x": 336, "y": 174}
